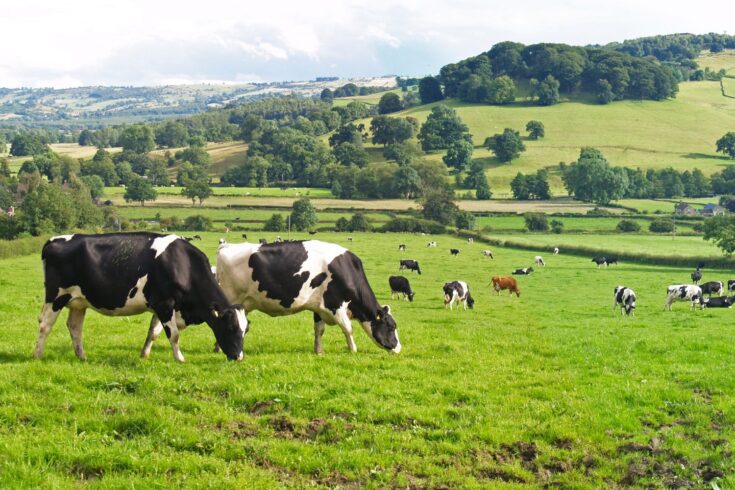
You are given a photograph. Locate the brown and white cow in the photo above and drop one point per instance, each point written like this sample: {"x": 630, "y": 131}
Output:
{"x": 500, "y": 283}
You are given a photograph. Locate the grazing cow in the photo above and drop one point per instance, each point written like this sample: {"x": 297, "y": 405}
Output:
{"x": 488, "y": 253}
{"x": 454, "y": 251}
{"x": 625, "y": 298}
{"x": 197, "y": 237}
{"x": 539, "y": 261}
{"x": 245, "y": 236}
{"x": 279, "y": 239}
{"x": 349, "y": 238}
{"x": 263, "y": 241}
{"x": 431, "y": 244}
{"x": 325, "y": 278}
{"x": 731, "y": 285}
{"x": 522, "y": 272}
{"x": 312, "y": 233}
{"x": 123, "y": 274}
{"x": 696, "y": 276}
{"x": 400, "y": 285}
{"x": 556, "y": 250}
{"x": 188, "y": 238}
{"x": 600, "y": 261}
{"x": 457, "y": 291}
{"x": 505, "y": 282}
{"x": 411, "y": 265}
{"x": 683, "y": 292}
{"x": 718, "y": 302}
{"x": 470, "y": 240}
{"x": 711, "y": 287}
{"x": 611, "y": 260}
{"x": 402, "y": 247}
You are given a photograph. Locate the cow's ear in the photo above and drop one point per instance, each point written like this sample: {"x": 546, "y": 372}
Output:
{"x": 386, "y": 309}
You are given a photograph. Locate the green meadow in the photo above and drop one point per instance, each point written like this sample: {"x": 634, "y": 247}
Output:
{"x": 549, "y": 389}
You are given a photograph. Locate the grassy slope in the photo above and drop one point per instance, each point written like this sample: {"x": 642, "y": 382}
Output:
{"x": 518, "y": 391}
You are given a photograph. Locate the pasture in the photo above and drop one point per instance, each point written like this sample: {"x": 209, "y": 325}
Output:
{"x": 551, "y": 388}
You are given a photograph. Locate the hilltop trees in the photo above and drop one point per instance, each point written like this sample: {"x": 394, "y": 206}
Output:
{"x": 507, "y": 145}
{"x": 137, "y": 139}
{"x": 442, "y": 128}
{"x": 592, "y": 179}
{"x": 430, "y": 90}
{"x": 546, "y": 91}
{"x": 526, "y": 187}
{"x": 27, "y": 144}
{"x": 726, "y": 144}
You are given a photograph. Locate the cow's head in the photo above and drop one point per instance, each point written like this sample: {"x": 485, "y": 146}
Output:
{"x": 470, "y": 301}
{"x": 230, "y": 325}
{"x": 630, "y": 307}
{"x": 383, "y": 330}
{"x": 410, "y": 296}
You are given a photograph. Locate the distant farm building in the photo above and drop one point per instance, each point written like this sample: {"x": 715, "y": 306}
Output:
{"x": 712, "y": 210}
{"x": 685, "y": 209}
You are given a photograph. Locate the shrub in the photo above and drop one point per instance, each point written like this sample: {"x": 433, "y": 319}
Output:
{"x": 358, "y": 222}
{"x": 536, "y": 222}
{"x": 342, "y": 224}
{"x": 557, "y": 226}
{"x": 275, "y": 223}
{"x": 661, "y": 226}
{"x": 628, "y": 226}
{"x": 197, "y": 222}
{"x": 413, "y": 225}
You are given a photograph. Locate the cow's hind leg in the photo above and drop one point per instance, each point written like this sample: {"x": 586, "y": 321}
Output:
{"x": 46, "y": 320}
{"x": 319, "y": 327}
{"x": 74, "y": 322}
{"x": 154, "y": 331}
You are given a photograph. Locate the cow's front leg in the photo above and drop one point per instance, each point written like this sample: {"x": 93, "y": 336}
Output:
{"x": 166, "y": 310}
{"x": 344, "y": 321}
{"x": 319, "y": 327}
{"x": 46, "y": 321}
{"x": 74, "y": 322}
{"x": 154, "y": 331}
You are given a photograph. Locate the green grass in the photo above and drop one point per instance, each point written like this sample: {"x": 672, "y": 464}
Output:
{"x": 571, "y": 224}
{"x": 547, "y": 389}
{"x": 717, "y": 61}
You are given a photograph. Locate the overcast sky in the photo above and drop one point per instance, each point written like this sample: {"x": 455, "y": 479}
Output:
{"x": 153, "y": 42}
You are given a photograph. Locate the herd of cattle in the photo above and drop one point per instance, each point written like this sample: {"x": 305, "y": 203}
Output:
{"x": 122, "y": 274}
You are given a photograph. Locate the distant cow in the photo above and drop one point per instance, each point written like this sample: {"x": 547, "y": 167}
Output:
{"x": 470, "y": 240}
{"x": 683, "y": 292}
{"x": 731, "y": 285}
{"x": 400, "y": 285}
{"x": 279, "y": 239}
{"x": 539, "y": 261}
{"x": 402, "y": 247}
{"x": 454, "y": 251}
{"x": 504, "y": 282}
{"x": 431, "y": 244}
{"x": 349, "y": 238}
{"x": 599, "y": 261}
{"x": 718, "y": 302}
{"x": 488, "y": 253}
{"x": 625, "y": 299}
{"x": 411, "y": 265}
{"x": 245, "y": 236}
{"x": 611, "y": 261}
{"x": 556, "y": 250}
{"x": 123, "y": 274}
{"x": 522, "y": 272}
{"x": 263, "y": 241}
{"x": 696, "y": 276}
{"x": 712, "y": 287}
{"x": 286, "y": 278}
{"x": 197, "y": 237}
{"x": 312, "y": 233}
{"x": 457, "y": 291}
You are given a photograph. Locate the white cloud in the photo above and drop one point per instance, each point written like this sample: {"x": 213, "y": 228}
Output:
{"x": 52, "y": 43}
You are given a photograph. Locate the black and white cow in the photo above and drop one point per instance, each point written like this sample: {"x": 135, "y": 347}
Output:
{"x": 400, "y": 285}
{"x": 411, "y": 265}
{"x": 539, "y": 261}
{"x": 522, "y": 272}
{"x": 611, "y": 261}
{"x": 718, "y": 302}
{"x": 712, "y": 287}
{"x": 402, "y": 247}
{"x": 457, "y": 291}
{"x": 431, "y": 244}
{"x": 696, "y": 276}
{"x": 556, "y": 250}
{"x": 327, "y": 279}
{"x": 599, "y": 261}
{"x": 731, "y": 284}
{"x": 454, "y": 251}
{"x": 488, "y": 253}
{"x": 625, "y": 299}
{"x": 470, "y": 240}
{"x": 123, "y": 274}
{"x": 683, "y": 292}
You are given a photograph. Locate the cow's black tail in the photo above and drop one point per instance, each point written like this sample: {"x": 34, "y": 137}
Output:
{"x": 418, "y": 268}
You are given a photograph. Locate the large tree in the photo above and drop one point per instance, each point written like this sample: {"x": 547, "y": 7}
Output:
{"x": 303, "y": 215}
{"x": 547, "y": 90}
{"x": 442, "y": 127}
{"x": 197, "y": 186}
{"x": 721, "y": 231}
{"x": 726, "y": 144}
{"x": 592, "y": 179}
{"x": 137, "y": 138}
{"x": 438, "y": 204}
{"x": 459, "y": 154}
{"x": 140, "y": 189}
{"x": 507, "y": 145}
{"x": 535, "y": 129}
{"x": 430, "y": 90}
{"x": 390, "y": 130}
{"x": 389, "y": 102}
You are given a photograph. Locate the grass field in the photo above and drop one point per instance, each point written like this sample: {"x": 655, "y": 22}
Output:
{"x": 294, "y": 192}
{"x": 571, "y": 224}
{"x": 717, "y": 61}
{"x": 549, "y": 389}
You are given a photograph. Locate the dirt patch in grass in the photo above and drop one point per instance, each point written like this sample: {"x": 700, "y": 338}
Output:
{"x": 86, "y": 472}
{"x": 261, "y": 407}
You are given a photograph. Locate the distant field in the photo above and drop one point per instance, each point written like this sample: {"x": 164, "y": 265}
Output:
{"x": 717, "y": 61}
{"x": 575, "y": 224}
{"x": 294, "y": 192}
{"x": 680, "y": 246}
{"x": 663, "y": 205}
